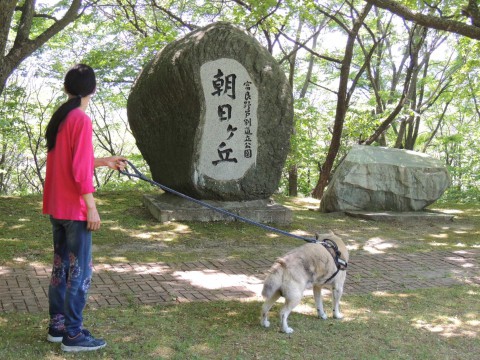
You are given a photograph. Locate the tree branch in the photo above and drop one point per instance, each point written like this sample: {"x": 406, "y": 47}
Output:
{"x": 24, "y": 46}
{"x": 472, "y": 11}
{"x": 434, "y": 132}
{"x": 172, "y": 16}
{"x": 302, "y": 45}
{"x": 259, "y": 21}
{"x": 25, "y": 25}
{"x": 430, "y": 21}
{"x": 7, "y": 9}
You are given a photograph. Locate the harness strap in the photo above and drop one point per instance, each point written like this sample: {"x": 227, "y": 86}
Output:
{"x": 332, "y": 248}
{"x": 331, "y": 277}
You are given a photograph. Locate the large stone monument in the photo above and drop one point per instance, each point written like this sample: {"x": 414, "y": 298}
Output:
{"x": 212, "y": 115}
{"x": 380, "y": 179}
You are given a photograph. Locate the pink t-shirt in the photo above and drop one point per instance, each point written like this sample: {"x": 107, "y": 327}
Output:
{"x": 70, "y": 166}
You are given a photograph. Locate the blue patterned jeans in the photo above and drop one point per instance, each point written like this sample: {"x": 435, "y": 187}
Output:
{"x": 71, "y": 274}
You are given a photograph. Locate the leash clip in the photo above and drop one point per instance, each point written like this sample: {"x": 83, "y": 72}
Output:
{"x": 136, "y": 174}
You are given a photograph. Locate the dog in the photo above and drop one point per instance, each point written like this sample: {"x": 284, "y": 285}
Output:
{"x": 320, "y": 264}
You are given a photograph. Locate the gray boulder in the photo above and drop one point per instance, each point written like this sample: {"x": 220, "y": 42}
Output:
{"x": 212, "y": 115}
{"x": 380, "y": 179}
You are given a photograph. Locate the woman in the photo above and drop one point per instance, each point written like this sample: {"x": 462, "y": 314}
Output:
{"x": 68, "y": 199}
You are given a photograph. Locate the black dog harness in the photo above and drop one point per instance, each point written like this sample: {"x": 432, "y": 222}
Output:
{"x": 332, "y": 248}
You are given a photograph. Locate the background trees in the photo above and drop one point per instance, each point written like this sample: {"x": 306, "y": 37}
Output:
{"x": 359, "y": 73}
{"x": 25, "y": 27}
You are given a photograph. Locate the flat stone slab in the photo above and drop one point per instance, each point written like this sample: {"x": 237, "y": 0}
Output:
{"x": 167, "y": 207}
{"x": 401, "y": 216}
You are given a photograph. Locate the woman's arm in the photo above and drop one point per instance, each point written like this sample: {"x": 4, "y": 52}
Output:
{"x": 113, "y": 162}
{"x": 93, "y": 218}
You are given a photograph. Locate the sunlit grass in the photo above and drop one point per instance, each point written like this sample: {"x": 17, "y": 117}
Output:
{"x": 130, "y": 233}
{"x": 441, "y": 323}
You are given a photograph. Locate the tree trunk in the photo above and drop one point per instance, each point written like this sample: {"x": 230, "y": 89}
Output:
{"x": 414, "y": 48}
{"x": 293, "y": 181}
{"x": 400, "y": 134}
{"x": 293, "y": 170}
{"x": 342, "y": 105}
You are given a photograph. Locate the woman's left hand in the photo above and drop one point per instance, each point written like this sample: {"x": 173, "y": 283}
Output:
{"x": 114, "y": 162}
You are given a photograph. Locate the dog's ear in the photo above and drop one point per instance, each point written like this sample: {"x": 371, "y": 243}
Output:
{"x": 324, "y": 235}
{"x": 317, "y": 235}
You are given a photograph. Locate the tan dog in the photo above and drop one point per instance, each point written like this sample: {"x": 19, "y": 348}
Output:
{"x": 309, "y": 265}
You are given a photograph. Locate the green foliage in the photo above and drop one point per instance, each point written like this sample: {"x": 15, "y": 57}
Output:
{"x": 307, "y": 146}
{"x": 464, "y": 195}
{"x": 360, "y": 123}
{"x": 117, "y": 39}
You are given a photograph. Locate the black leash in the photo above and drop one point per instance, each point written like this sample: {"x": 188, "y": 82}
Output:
{"x": 330, "y": 245}
{"x": 139, "y": 175}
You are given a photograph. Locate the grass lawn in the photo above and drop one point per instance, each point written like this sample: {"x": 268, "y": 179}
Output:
{"x": 438, "y": 323}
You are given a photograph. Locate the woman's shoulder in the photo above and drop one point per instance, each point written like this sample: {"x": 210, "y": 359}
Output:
{"x": 78, "y": 115}
{"x": 78, "y": 121}
{"x": 78, "y": 112}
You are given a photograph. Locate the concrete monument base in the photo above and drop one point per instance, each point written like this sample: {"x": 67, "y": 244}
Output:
{"x": 401, "y": 216}
{"x": 167, "y": 207}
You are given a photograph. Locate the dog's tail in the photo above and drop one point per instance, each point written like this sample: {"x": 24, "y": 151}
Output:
{"x": 273, "y": 282}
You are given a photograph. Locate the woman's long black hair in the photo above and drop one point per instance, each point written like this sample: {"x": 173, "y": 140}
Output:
{"x": 79, "y": 82}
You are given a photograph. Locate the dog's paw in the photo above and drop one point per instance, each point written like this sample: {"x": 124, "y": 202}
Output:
{"x": 322, "y": 316}
{"x": 287, "y": 330}
{"x": 338, "y": 315}
{"x": 265, "y": 323}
